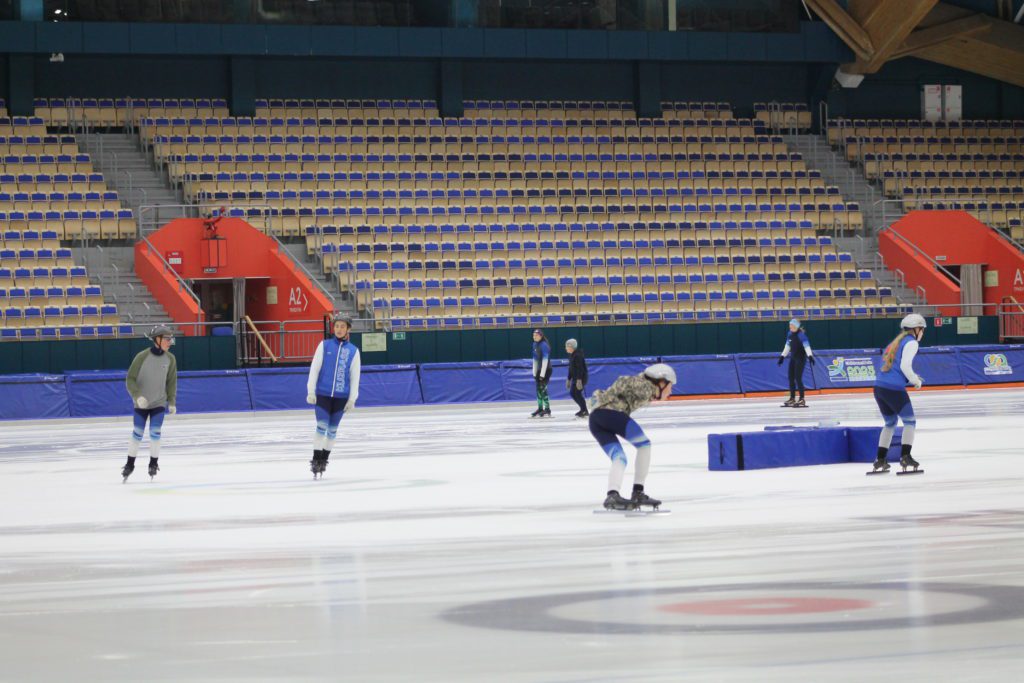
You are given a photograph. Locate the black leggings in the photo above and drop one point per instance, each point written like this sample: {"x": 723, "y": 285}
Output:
{"x": 577, "y": 395}
{"x": 796, "y": 375}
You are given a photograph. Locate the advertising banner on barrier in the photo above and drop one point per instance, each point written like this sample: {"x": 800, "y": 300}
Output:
{"x": 461, "y": 382}
{"x": 33, "y": 397}
{"x": 704, "y": 375}
{"x": 518, "y": 383}
{"x": 762, "y": 372}
{"x": 992, "y": 364}
{"x": 846, "y": 368}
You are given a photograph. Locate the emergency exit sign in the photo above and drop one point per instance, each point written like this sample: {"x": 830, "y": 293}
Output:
{"x": 398, "y": 336}
{"x": 939, "y": 322}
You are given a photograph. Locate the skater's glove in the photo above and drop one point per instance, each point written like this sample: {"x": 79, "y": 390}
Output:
{"x": 579, "y": 385}
{"x": 311, "y": 399}
{"x": 918, "y": 382}
{"x": 172, "y": 409}
{"x": 349, "y": 405}
{"x": 782, "y": 359}
{"x": 810, "y": 359}
{"x": 141, "y": 402}
{"x": 568, "y": 384}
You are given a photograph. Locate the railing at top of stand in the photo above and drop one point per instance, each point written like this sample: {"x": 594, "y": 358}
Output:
{"x": 152, "y": 216}
{"x": 281, "y": 248}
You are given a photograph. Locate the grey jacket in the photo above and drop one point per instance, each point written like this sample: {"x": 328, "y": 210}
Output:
{"x": 155, "y": 377}
{"x": 627, "y": 394}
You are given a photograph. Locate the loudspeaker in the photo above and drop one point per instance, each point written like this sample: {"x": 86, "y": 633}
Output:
{"x": 848, "y": 80}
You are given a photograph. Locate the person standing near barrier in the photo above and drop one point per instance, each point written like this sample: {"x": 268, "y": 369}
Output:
{"x": 541, "y": 373}
{"x": 798, "y": 348}
{"x": 152, "y": 383}
{"x": 332, "y": 387}
{"x": 576, "y": 382}
{"x": 611, "y": 419}
{"x": 891, "y": 393}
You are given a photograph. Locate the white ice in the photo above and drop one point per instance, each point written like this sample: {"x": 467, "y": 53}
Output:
{"x": 460, "y": 544}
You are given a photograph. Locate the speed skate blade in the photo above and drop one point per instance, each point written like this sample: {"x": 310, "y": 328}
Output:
{"x": 633, "y": 513}
{"x": 877, "y": 472}
{"x": 900, "y": 474}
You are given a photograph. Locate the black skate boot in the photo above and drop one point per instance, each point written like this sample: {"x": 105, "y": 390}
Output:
{"x": 583, "y": 413}
{"x": 616, "y": 502}
{"x": 881, "y": 465}
{"x": 800, "y": 403}
{"x": 128, "y": 468}
{"x": 153, "y": 468}
{"x": 537, "y": 413}
{"x": 789, "y": 403}
{"x": 314, "y": 464}
{"x": 640, "y": 498}
{"x": 546, "y": 412}
{"x": 323, "y": 462}
{"x": 907, "y": 461}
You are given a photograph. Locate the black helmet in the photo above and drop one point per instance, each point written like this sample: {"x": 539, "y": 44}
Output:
{"x": 161, "y": 331}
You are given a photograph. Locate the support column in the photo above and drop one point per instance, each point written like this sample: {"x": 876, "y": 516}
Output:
{"x": 647, "y": 89}
{"x": 242, "y": 77}
{"x": 21, "y": 85}
{"x": 449, "y": 95}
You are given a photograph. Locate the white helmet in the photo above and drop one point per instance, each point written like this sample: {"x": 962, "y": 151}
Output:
{"x": 913, "y": 321}
{"x": 660, "y": 371}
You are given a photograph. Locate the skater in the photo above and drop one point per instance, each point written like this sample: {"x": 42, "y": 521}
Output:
{"x": 577, "y": 380}
{"x": 333, "y": 387}
{"x": 611, "y": 419}
{"x": 891, "y": 392}
{"x": 800, "y": 348}
{"x": 152, "y": 383}
{"x": 541, "y": 373}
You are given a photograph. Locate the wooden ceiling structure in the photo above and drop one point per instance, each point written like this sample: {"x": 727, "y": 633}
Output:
{"x": 880, "y": 30}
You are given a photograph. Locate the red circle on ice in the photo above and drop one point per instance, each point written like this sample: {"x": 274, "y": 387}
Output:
{"x": 766, "y": 606}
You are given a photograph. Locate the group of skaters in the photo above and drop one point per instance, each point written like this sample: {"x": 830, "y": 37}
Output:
{"x": 333, "y": 387}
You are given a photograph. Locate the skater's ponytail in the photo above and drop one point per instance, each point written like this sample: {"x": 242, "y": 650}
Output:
{"x": 889, "y": 355}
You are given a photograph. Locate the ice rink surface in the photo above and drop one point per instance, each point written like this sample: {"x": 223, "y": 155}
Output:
{"x": 460, "y": 544}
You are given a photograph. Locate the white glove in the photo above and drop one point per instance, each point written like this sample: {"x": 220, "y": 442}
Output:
{"x": 141, "y": 402}
{"x": 918, "y": 382}
{"x": 172, "y": 409}
{"x": 311, "y": 399}
{"x": 349, "y": 405}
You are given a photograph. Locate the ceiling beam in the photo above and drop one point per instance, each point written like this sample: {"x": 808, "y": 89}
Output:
{"x": 844, "y": 26}
{"x": 940, "y": 33}
{"x": 888, "y": 23}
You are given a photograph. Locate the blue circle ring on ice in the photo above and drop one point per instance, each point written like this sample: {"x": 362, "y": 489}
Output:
{"x": 534, "y": 613}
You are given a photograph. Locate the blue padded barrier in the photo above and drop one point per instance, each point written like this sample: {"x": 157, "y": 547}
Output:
{"x": 762, "y": 372}
{"x": 99, "y": 394}
{"x": 991, "y": 364}
{"x": 518, "y": 385}
{"x": 461, "y": 382}
{"x": 24, "y": 397}
{"x": 213, "y": 391}
{"x": 939, "y": 366}
{"x": 704, "y": 375}
{"x": 285, "y": 388}
{"x": 604, "y": 371}
{"x": 795, "y": 447}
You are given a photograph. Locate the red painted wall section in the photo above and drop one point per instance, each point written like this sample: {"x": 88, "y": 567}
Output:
{"x": 248, "y": 254}
{"x": 919, "y": 272}
{"x": 961, "y": 239}
{"x": 165, "y": 288}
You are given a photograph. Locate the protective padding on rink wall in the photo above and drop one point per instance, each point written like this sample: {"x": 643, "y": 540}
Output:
{"x": 796, "y": 446}
{"x": 285, "y": 388}
{"x": 102, "y": 393}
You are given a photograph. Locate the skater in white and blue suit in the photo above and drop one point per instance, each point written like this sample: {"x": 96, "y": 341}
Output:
{"x": 611, "y": 419}
{"x": 333, "y": 387}
{"x": 891, "y": 391}
{"x": 798, "y": 348}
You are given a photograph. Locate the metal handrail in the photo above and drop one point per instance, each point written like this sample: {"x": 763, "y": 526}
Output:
{"x": 182, "y": 285}
{"x": 312, "y": 278}
{"x": 920, "y": 252}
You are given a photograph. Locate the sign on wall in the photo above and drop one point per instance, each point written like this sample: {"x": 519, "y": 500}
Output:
{"x": 967, "y": 325}
{"x": 991, "y": 278}
{"x": 271, "y": 295}
{"x": 374, "y": 341}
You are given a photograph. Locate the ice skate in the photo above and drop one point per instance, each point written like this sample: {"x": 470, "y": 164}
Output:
{"x": 537, "y": 413}
{"x": 317, "y": 464}
{"x": 127, "y": 470}
{"x": 789, "y": 403}
{"x": 616, "y": 502}
{"x": 880, "y": 466}
{"x": 546, "y": 412}
{"x": 907, "y": 462}
{"x": 153, "y": 468}
{"x": 583, "y": 413}
{"x": 800, "y": 403}
{"x": 641, "y": 499}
